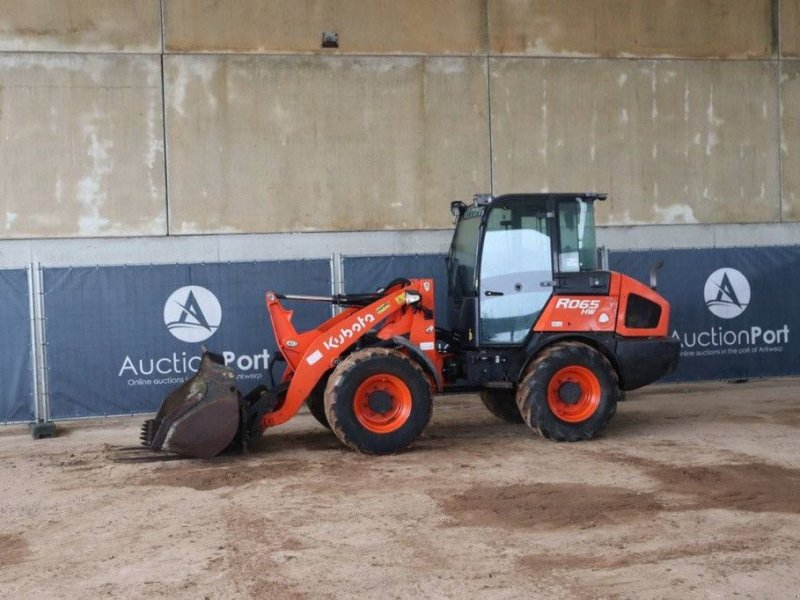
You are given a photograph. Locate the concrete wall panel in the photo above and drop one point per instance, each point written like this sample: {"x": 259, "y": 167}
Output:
{"x": 266, "y": 144}
{"x": 671, "y": 141}
{"x": 790, "y": 122}
{"x": 646, "y": 28}
{"x": 790, "y": 28}
{"x": 81, "y": 145}
{"x": 80, "y": 25}
{"x": 367, "y": 27}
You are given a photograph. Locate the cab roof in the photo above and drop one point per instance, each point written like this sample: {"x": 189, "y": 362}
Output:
{"x": 483, "y": 199}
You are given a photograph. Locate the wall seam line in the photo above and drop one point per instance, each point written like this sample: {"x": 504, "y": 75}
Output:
{"x": 224, "y": 53}
{"x": 489, "y": 120}
{"x": 719, "y": 59}
{"x": 488, "y": 41}
{"x": 164, "y": 125}
{"x": 778, "y": 83}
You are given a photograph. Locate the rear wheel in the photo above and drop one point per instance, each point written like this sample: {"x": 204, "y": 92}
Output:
{"x": 502, "y": 404}
{"x": 378, "y": 401}
{"x": 569, "y": 393}
{"x": 316, "y": 403}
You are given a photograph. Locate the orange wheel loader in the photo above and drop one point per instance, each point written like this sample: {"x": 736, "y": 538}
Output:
{"x": 534, "y": 327}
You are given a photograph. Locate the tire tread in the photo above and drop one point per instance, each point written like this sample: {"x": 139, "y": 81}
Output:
{"x": 532, "y": 399}
{"x": 340, "y": 375}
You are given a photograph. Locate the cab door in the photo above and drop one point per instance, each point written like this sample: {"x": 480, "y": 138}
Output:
{"x": 516, "y": 270}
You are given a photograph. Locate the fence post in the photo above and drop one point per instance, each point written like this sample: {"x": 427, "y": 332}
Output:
{"x": 42, "y": 428}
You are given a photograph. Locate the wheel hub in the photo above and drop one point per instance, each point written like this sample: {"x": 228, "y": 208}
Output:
{"x": 380, "y": 402}
{"x": 569, "y": 392}
{"x": 574, "y": 393}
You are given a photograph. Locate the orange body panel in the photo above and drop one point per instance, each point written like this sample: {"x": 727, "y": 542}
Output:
{"x": 629, "y": 286}
{"x": 582, "y": 313}
{"x": 311, "y": 354}
{"x": 603, "y": 314}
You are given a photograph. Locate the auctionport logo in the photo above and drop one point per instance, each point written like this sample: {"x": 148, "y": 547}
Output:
{"x": 192, "y": 314}
{"x": 727, "y": 293}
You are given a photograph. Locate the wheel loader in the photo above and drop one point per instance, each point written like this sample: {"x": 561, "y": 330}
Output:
{"x": 533, "y": 325}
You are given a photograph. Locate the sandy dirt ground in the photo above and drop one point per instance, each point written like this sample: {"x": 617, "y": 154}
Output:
{"x": 692, "y": 492}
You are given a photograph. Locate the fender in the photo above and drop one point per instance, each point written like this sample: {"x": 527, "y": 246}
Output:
{"x": 419, "y": 355}
{"x": 606, "y": 343}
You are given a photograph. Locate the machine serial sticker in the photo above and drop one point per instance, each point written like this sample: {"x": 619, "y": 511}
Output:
{"x": 426, "y": 346}
{"x": 314, "y": 357}
{"x": 556, "y": 323}
{"x": 382, "y": 308}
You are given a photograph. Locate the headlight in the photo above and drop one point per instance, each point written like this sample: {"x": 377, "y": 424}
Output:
{"x": 412, "y": 297}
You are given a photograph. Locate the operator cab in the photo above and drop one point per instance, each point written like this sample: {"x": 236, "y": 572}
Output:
{"x": 507, "y": 256}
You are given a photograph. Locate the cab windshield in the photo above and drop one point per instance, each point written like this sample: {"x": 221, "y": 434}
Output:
{"x": 463, "y": 253}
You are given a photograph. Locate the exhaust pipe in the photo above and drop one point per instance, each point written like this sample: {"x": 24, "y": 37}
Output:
{"x": 653, "y": 274}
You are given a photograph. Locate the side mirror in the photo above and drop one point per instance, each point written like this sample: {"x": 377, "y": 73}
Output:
{"x": 457, "y": 208}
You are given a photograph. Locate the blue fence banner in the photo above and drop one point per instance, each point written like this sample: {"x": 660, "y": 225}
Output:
{"x": 368, "y": 273}
{"x": 120, "y": 338}
{"x": 16, "y": 365}
{"x": 734, "y": 310}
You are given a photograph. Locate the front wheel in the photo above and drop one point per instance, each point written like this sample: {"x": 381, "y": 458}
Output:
{"x": 378, "y": 401}
{"x": 569, "y": 393}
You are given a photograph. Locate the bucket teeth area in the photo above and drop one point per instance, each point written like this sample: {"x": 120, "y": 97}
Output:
{"x": 148, "y": 431}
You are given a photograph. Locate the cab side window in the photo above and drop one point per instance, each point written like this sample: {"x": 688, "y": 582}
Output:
{"x": 515, "y": 262}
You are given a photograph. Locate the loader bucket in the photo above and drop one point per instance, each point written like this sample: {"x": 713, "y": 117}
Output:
{"x": 201, "y": 417}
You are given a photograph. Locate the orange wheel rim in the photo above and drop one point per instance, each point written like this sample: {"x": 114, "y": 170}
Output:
{"x": 573, "y": 394}
{"x": 382, "y": 403}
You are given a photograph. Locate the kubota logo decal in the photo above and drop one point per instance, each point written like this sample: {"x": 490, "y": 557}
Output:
{"x": 727, "y": 293}
{"x": 345, "y": 333}
{"x": 192, "y": 313}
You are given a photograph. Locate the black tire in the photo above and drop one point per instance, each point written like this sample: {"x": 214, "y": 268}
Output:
{"x": 398, "y": 384}
{"x": 316, "y": 403}
{"x": 578, "y": 408}
{"x": 502, "y": 404}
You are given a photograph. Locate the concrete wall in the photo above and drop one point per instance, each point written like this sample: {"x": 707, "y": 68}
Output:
{"x": 80, "y": 26}
{"x": 790, "y": 147}
{"x": 82, "y": 145}
{"x": 273, "y": 143}
{"x": 686, "y": 111}
{"x": 664, "y": 138}
{"x": 790, "y": 28}
{"x": 633, "y": 28}
{"x": 364, "y": 27}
